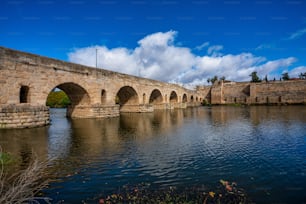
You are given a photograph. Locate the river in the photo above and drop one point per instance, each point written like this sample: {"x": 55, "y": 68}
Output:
{"x": 261, "y": 148}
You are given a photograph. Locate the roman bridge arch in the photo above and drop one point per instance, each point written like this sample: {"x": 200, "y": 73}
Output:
{"x": 156, "y": 99}
{"x": 27, "y": 79}
{"x": 77, "y": 93}
{"x": 128, "y": 99}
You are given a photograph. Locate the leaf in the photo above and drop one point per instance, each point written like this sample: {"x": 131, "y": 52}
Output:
{"x": 212, "y": 194}
{"x": 224, "y": 183}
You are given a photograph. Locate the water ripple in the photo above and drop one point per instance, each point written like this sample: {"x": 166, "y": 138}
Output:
{"x": 262, "y": 148}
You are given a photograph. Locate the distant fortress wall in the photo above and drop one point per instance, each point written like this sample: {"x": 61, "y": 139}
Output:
{"x": 272, "y": 92}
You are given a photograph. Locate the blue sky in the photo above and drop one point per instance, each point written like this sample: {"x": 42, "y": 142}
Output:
{"x": 177, "y": 41}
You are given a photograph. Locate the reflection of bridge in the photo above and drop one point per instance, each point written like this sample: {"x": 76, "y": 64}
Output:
{"x": 27, "y": 79}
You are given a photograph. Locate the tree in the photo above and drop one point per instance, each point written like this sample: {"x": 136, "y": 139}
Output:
{"x": 58, "y": 99}
{"x": 254, "y": 77}
{"x": 215, "y": 78}
{"x": 266, "y": 78}
{"x": 212, "y": 80}
{"x": 285, "y": 76}
{"x": 302, "y": 75}
{"x": 222, "y": 78}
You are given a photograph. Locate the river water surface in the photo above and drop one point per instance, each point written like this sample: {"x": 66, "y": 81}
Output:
{"x": 262, "y": 148}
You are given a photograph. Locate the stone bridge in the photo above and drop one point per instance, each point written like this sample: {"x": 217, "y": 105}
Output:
{"x": 27, "y": 79}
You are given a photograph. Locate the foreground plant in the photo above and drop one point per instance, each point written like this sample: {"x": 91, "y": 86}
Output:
{"x": 24, "y": 186}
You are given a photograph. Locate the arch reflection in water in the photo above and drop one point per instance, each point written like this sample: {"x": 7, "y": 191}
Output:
{"x": 59, "y": 140}
{"x": 25, "y": 144}
{"x": 93, "y": 136}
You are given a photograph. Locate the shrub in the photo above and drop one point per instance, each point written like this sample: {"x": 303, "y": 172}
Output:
{"x": 24, "y": 186}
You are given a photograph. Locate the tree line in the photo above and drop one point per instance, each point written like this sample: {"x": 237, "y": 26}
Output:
{"x": 285, "y": 76}
{"x": 255, "y": 78}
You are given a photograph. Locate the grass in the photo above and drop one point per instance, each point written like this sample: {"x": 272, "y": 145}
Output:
{"x": 6, "y": 158}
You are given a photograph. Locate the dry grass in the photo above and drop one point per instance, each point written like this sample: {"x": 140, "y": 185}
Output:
{"x": 24, "y": 186}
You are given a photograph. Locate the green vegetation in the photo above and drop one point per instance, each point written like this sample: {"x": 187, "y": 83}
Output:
{"x": 212, "y": 80}
{"x": 266, "y": 78}
{"x": 302, "y": 75}
{"x": 254, "y": 77}
{"x": 58, "y": 99}
{"x": 205, "y": 103}
{"x": 285, "y": 76}
{"x": 222, "y": 78}
{"x": 5, "y": 158}
{"x": 117, "y": 100}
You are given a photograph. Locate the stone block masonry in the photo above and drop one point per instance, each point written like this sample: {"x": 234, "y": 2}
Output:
{"x": 285, "y": 92}
{"x": 23, "y": 116}
{"x": 263, "y": 93}
{"x": 94, "y": 111}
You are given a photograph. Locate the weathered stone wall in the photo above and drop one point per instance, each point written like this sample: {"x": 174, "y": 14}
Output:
{"x": 217, "y": 93}
{"x": 105, "y": 111}
{"x": 179, "y": 105}
{"x": 284, "y": 92}
{"x": 236, "y": 92}
{"x": 160, "y": 106}
{"x": 142, "y": 108}
{"x": 93, "y": 111}
{"x": 279, "y": 92}
{"x": 23, "y": 116}
{"x": 205, "y": 92}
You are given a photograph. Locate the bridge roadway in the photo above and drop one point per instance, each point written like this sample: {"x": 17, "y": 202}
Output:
{"x": 27, "y": 79}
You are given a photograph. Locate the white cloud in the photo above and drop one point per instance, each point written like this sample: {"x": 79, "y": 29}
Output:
{"x": 158, "y": 39}
{"x": 264, "y": 46}
{"x": 294, "y": 73}
{"x": 157, "y": 57}
{"x": 201, "y": 47}
{"x": 214, "y": 50}
{"x": 160, "y": 59}
{"x": 271, "y": 66}
{"x": 117, "y": 59}
{"x": 297, "y": 34}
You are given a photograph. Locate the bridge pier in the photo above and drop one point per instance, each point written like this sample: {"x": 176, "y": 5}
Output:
{"x": 161, "y": 106}
{"x": 176, "y": 105}
{"x": 93, "y": 111}
{"x": 23, "y": 116}
{"x": 27, "y": 115}
{"x": 141, "y": 108}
